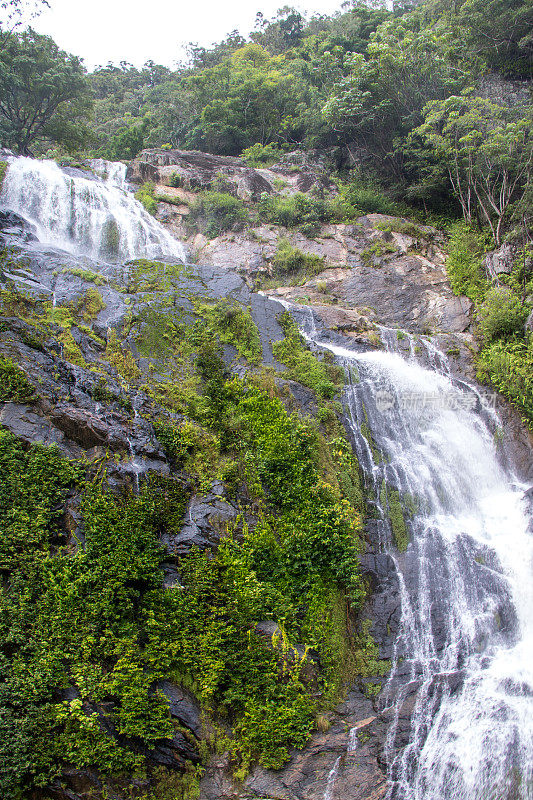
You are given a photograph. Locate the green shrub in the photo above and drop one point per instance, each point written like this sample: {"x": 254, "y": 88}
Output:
{"x": 360, "y": 196}
{"x": 214, "y": 213}
{"x": 501, "y": 315}
{"x": 145, "y": 196}
{"x": 508, "y": 366}
{"x": 14, "y": 385}
{"x": 298, "y": 211}
{"x": 290, "y": 261}
{"x": 463, "y": 264}
{"x": 259, "y": 155}
{"x": 230, "y": 323}
{"x": 302, "y": 365}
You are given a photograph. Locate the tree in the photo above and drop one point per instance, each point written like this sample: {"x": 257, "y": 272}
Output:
{"x": 488, "y": 154}
{"x": 382, "y": 96}
{"x": 501, "y": 32}
{"x": 39, "y": 83}
{"x": 14, "y": 12}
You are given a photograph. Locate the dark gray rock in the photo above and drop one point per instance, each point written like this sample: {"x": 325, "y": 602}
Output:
{"x": 183, "y": 706}
{"x": 204, "y": 524}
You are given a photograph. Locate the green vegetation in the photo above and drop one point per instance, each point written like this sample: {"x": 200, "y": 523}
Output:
{"x": 98, "y": 619}
{"x": 298, "y": 211}
{"x": 215, "y": 213}
{"x": 14, "y": 385}
{"x": 465, "y": 251}
{"x": 145, "y": 196}
{"x": 43, "y": 93}
{"x": 231, "y": 324}
{"x": 291, "y": 266}
{"x": 322, "y": 377}
{"x": 3, "y": 170}
{"x": 259, "y": 155}
{"x": 87, "y": 275}
{"x": 504, "y": 359}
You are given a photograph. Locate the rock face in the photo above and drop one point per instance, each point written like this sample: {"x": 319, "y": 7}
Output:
{"x": 192, "y": 170}
{"x": 499, "y": 262}
{"x": 379, "y": 270}
{"x": 343, "y": 760}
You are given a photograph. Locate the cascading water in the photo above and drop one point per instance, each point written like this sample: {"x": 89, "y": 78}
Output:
{"x": 97, "y": 218}
{"x": 465, "y": 645}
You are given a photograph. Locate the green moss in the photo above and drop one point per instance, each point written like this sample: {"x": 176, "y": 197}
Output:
{"x": 397, "y": 520}
{"x": 86, "y": 274}
{"x": 110, "y": 242}
{"x": 397, "y": 508}
{"x": 14, "y": 385}
{"x": 121, "y": 358}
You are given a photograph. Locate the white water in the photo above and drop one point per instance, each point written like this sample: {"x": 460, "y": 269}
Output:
{"x": 332, "y": 778}
{"x": 97, "y": 218}
{"x": 466, "y": 580}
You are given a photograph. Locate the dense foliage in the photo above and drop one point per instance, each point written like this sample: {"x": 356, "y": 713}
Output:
{"x": 43, "y": 93}
{"x": 502, "y": 309}
{"x": 88, "y": 627}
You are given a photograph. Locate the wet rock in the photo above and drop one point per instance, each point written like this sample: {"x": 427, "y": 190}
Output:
{"x": 76, "y": 784}
{"x": 183, "y": 706}
{"x": 204, "y": 524}
{"x": 31, "y": 426}
{"x": 175, "y": 752}
{"x": 81, "y": 426}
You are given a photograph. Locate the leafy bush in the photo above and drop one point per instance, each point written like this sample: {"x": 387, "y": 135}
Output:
{"x": 508, "y": 366}
{"x": 303, "y": 366}
{"x": 259, "y": 155}
{"x": 145, "y": 196}
{"x": 359, "y": 197}
{"x": 463, "y": 264}
{"x": 290, "y": 261}
{"x": 214, "y": 213}
{"x": 501, "y": 315}
{"x": 14, "y": 385}
{"x": 298, "y": 211}
{"x": 231, "y": 324}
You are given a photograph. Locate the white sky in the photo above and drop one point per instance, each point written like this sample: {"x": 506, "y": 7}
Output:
{"x": 114, "y": 30}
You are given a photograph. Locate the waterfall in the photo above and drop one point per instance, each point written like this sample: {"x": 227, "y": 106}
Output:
{"x": 465, "y": 644}
{"x": 94, "y": 217}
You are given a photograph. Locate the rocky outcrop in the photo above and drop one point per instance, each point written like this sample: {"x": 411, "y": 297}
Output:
{"x": 343, "y": 759}
{"x": 196, "y": 171}
{"x": 393, "y": 277}
{"x": 499, "y": 262}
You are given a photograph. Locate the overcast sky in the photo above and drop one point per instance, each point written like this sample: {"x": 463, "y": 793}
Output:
{"x": 115, "y": 30}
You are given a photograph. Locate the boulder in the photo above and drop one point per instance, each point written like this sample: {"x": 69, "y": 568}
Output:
{"x": 204, "y": 524}
{"x": 499, "y": 262}
{"x": 183, "y": 706}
